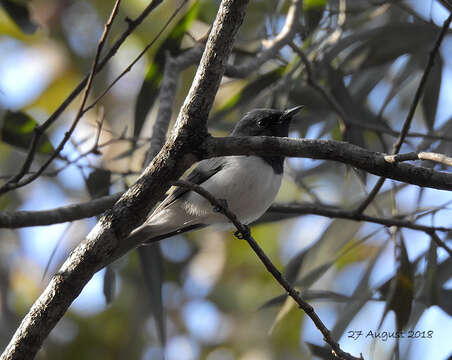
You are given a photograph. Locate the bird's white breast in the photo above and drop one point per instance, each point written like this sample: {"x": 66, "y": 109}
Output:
{"x": 247, "y": 183}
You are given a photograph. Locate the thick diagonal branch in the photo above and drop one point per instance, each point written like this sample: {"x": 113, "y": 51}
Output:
{"x": 294, "y": 294}
{"x": 106, "y": 241}
{"x": 372, "y": 162}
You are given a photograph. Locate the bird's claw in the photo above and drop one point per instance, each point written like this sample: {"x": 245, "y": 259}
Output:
{"x": 243, "y": 233}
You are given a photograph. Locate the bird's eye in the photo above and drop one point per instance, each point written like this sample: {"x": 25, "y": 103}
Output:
{"x": 262, "y": 122}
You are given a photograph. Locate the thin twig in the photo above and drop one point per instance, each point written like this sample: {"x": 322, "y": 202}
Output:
{"x": 95, "y": 207}
{"x": 286, "y": 35}
{"x": 106, "y": 241}
{"x": 344, "y": 120}
{"x": 439, "y": 242}
{"x": 294, "y": 294}
{"x": 138, "y": 57}
{"x": 431, "y": 156}
{"x": 68, "y": 134}
{"x": 40, "y": 130}
{"x": 332, "y": 212}
{"x": 331, "y": 101}
{"x": 58, "y": 215}
{"x": 406, "y": 125}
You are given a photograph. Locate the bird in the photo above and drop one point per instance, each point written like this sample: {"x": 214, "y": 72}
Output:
{"x": 247, "y": 185}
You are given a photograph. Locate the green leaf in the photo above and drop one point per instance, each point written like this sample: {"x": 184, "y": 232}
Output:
{"x": 401, "y": 79}
{"x": 109, "y": 286}
{"x": 292, "y": 268}
{"x": 20, "y": 14}
{"x": 363, "y": 82}
{"x": 445, "y": 300}
{"x": 429, "y": 282}
{"x": 309, "y": 295}
{"x": 312, "y": 14}
{"x": 444, "y": 129}
{"x": 324, "y": 252}
{"x": 313, "y": 275}
{"x": 249, "y": 92}
{"x": 313, "y": 4}
{"x": 154, "y": 73}
{"x": 361, "y": 295}
{"x": 147, "y": 95}
{"x": 401, "y": 290}
{"x": 431, "y": 93}
{"x": 152, "y": 267}
{"x": 17, "y": 130}
{"x": 321, "y": 352}
{"x": 368, "y": 49}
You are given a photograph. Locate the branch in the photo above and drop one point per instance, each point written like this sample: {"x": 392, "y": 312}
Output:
{"x": 167, "y": 93}
{"x": 406, "y": 125}
{"x": 372, "y": 162}
{"x": 439, "y": 242}
{"x": 138, "y": 57}
{"x": 40, "y": 130}
{"x": 284, "y": 37}
{"x": 447, "y": 4}
{"x": 332, "y": 212}
{"x": 18, "y": 219}
{"x": 431, "y": 156}
{"x": 106, "y": 241}
{"x": 294, "y": 294}
{"x": 330, "y": 100}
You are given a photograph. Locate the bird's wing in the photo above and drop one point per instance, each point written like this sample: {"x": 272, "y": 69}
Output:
{"x": 202, "y": 172}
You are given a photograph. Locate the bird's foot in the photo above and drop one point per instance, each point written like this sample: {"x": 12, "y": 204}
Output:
{"x": 224, "y": 205}
{"x": 243, "y": 233}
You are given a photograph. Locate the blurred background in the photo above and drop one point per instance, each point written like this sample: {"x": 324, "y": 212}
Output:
{"x": 355, "y": 64}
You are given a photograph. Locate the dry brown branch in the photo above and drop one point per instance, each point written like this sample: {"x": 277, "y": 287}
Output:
{"x": 106, "y": 241}
{"x": 245, "y": 234}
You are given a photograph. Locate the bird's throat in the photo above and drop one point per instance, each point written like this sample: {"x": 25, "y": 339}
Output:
{"x": 276, "y": 162}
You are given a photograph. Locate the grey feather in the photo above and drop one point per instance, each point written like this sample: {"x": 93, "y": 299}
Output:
{"x": 202, "y": 172}
{"x": 249, "y": 184}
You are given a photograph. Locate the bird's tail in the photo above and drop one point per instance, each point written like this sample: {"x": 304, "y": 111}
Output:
{"x": 148, "y": 234}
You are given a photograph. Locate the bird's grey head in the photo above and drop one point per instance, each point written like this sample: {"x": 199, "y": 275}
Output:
{"x": 265, "y": 122}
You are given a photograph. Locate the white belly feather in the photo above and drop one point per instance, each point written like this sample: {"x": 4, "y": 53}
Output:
{"x": 249, "y": 188}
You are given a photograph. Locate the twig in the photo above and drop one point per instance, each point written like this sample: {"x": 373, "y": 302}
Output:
{"x": 379, "y": 129}
{"x": 138, "y": 57}
{"x": 331, "y": 101}
{"x": 40, "y": 130}
{"x": 439, "y": 242}
{"x": 106, "y": 241}
{"x": 68, "y": 134}
{"x": 58, "y": 215}
{"x": 343, "y": 119}
{"x": 286, "y": 35}
{"x": 294, "y": 294}
{"x": 435, "y": 157}
{"x": 95, "y": 207}
{"x": 318, "y": 149}
{"x": 406, "y": 125}
{"x": 332, "y": 212}
{"x": 55, "y": 248}
{"x": 372, "y": 162}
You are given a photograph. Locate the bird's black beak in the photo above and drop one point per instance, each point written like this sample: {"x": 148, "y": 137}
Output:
{"x": 288, "y": 114}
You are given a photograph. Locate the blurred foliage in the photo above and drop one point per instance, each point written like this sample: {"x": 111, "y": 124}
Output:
{"x": 17, "y": 130}
{"x": 205, "y": 295}
{"x": 20, "y": 14}
{"x": 154, "y": 73}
